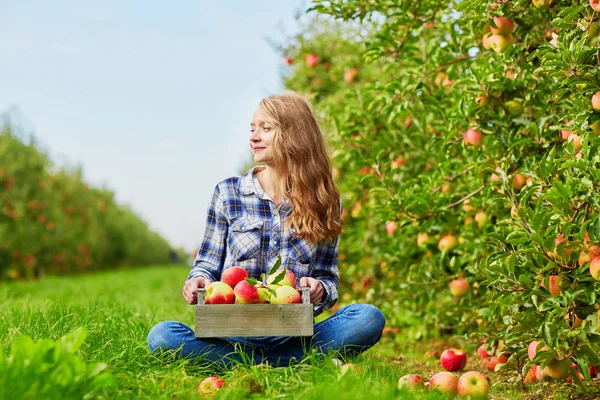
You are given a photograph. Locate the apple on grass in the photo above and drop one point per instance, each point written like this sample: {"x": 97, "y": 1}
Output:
{"x": 210, "y": 385}
{"x": 233, "y": 275}
{"x": 350, "y": 367}
{"x": 453, "y": 360}
{"x": 219, "y": 293}
{"x": 412, "y": 381}
{"x": 245, "y": 293}
{"x": 482, "y": 352}
{"x": 473, "y": 384}
{"x": 444, "y": 382}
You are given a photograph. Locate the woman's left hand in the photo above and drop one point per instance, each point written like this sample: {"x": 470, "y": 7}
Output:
{"x": 316, "y": 289}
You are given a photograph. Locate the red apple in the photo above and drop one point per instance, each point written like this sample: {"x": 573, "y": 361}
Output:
{"x": 453, "y": 360}
{"x": 595, "y": 4}
{"x": 288, "y": 280}
{"x": 398, "y": 162}
{"x": 558, "y": 369}
{"x": 447, "y": 243}
{"x": 473, "y": 384}
{"x": 412, "y": 381}
{"x": 485, "y": 41}
{"x": 219, "y": 293}
{"x": 481, "y": 218}
{"x": 482, "y": 352}
{"x": 459, "y": 287}
{"x": 540, "y": 375}
{"x": 500, "y": 43}
{"x": 444, "y": 382}
{"x": 554, "y": 281}
{"x": 422, "y": 239}
{"x": 210, "y": 385}
{"x": 233, "y": 275}
{"x": 286, "y": 295}
{"x": 391, "y": 227}
{"x": 588, "y": 255}
{"x": 351, "y": 367}
{"x": 245, "y": 293}
{"x": 596, "y": 101}
{"x": 473, "y": 137}
{"x": 289, "y": 60}
{"x": 530, "y": 376}
{"x": 533, "y": 349}
{"x": 504, "y": 26}
{"x": 519, "y": 181}
{"x": 576, "y": 139}
{"x": 350, "y": 75}
{"x": 311, "y": 60}
{"x": 595, "y": 268}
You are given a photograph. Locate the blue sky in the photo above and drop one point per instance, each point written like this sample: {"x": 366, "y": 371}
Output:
{"x": 153, "y": 99}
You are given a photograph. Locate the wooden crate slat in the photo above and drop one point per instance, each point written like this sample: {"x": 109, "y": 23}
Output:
{"x": 247, "y": 320}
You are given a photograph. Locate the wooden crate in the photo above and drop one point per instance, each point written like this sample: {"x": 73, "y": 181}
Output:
{"x": 250, "y": 320}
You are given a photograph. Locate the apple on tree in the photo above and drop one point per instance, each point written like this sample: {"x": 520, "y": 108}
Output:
{"x": 447, "y": 243}
{"x": 311, "y": 60}
{"x": 459, "y": 287}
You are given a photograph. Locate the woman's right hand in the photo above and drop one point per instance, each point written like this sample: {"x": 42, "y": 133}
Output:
{"x": 190, "y": 288}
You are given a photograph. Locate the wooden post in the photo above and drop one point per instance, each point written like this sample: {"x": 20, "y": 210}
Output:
{"x": 201, "y": 295}
{"x": 305, "y": 295}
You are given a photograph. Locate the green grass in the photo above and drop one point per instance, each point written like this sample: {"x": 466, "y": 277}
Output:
{"x": 118, "y": 308}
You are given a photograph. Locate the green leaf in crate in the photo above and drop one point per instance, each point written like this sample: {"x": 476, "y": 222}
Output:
{"x": 279, "y": 277}
{"x": 251, "y": 281}
{"x": 276, "y": 265}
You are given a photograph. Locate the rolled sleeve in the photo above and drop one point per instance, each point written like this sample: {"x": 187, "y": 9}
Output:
{"x": 211, "y": 255}
{"x": 326, "y": 271}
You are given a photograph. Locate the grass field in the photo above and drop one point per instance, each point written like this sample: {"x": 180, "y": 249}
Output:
{"x": 118, "y": 308}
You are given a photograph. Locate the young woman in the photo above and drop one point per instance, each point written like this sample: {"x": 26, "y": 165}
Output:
{"x": 288, "y": 206}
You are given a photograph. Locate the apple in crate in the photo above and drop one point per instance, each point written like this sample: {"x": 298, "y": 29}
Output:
{"x": 288, "y": 280}
{"x": 286, "y": 295}
{"x": 234, "y": 275}
{"x": 245, "y": 293}
{"x": 219, "y": 293}
{"x": 264, "y": 296}
{"x": 210, "y": 385}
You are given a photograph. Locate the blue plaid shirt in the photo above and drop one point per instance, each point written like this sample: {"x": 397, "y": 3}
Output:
{"x": 244, "y": 227}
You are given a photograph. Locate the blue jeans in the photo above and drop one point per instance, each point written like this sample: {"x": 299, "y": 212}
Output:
{"x": 350, "y": 331}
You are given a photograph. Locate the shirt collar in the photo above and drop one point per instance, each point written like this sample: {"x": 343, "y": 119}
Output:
{"x": 247, "y": 184}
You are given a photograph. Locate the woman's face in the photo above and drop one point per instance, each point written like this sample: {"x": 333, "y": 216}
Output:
{"x": 261, "y": 137}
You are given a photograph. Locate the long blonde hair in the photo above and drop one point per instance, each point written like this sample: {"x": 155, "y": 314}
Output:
{"x": 302, "y": 167}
